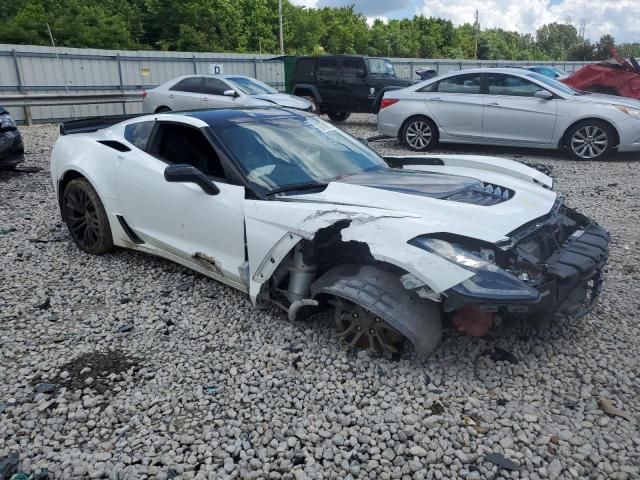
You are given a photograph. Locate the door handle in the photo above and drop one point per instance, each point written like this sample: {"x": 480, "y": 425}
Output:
{"x": 435, "y": 99}
{"x": 493, "y": 104}
{"x": 171, "y": 95}
{"x": 204, "y": 99}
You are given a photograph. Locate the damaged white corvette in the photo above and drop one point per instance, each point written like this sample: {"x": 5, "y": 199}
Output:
{"x": 291, "y": 210}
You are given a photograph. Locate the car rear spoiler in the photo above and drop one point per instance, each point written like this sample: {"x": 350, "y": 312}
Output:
{"x": 92, "y": 124}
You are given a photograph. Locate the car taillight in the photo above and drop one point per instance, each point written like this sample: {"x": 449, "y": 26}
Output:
{"x": 144, "y": 94}
{"x": 387, "y": 102}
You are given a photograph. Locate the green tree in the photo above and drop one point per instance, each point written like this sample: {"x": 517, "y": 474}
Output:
{"x": 604, "y": 46}
{"x": 557, "y": 39}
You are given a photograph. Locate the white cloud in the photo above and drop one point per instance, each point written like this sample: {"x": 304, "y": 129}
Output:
{"x": 619, "y": 19}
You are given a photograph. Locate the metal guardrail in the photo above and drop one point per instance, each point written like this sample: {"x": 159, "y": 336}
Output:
{"x": 28, "y": 100}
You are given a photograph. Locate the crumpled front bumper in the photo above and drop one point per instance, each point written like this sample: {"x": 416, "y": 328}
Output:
{"x": 573, "y": 280}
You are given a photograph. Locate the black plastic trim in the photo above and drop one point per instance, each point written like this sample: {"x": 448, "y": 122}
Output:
{"x": 127, "y": 229}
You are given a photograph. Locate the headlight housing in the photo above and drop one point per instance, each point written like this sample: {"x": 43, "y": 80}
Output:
{"x": 6, "y": 122}
{"x": 489, "y": 282}
{"x": 632, "y": 112}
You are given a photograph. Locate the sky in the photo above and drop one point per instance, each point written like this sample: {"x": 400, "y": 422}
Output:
{"x": 619, "y": 18}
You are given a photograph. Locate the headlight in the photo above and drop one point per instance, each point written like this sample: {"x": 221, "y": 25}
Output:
{"x": 6, "y": 121}
{"x": 632, "y": 112}
{"x": 489, "y": 281}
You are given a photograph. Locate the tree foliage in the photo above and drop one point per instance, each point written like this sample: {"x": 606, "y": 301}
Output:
{"x": 252, "y": 26}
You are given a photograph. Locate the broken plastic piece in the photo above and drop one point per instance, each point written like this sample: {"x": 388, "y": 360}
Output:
{"x": 501, "y": 461}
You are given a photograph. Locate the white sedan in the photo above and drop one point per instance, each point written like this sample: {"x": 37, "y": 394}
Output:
{"x": 194, "y": 92}
{"x": 296, "y": 213}
{"x": 511, "y": 107}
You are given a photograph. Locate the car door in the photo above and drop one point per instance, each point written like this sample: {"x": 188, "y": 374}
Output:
{"x": 512, "y": 114}
{"x": 327, "y": 80}
{"x": 456, "y": 104}
{"x": 180, "y": 218}
{"x": 186, "y": 94}
{"x": 353, "y": 91}
{"x": 214, "y": 97}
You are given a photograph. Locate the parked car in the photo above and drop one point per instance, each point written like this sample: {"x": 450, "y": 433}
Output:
{"x": 513, "y": 107}
{"x": 11, "y": 147}
{"x": 615, "y": 76}
{"x": 191, "y": 92}
{"x": 547, "y": 71}
{"x": 293, "y": 211}
{"x": 343, "y": 84}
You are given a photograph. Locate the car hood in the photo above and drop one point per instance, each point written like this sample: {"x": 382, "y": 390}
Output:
{"x": 609, "y": 100}
{"x": 434, "y": 202}
{"x": 284, "y": 100}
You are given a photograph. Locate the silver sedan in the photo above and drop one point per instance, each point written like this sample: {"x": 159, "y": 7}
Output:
{"x": 194, "y": 92}
{"x": 511, "y": 107}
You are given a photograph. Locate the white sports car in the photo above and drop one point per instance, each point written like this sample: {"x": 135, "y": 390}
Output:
{"x": 293, "y": 211}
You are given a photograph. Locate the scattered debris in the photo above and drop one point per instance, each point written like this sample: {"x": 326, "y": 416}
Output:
{"x": 437, "y": 408}
{"x": 46, "y": 387}
{"x": 44, "y": 305}
{"x": 501, "y": 461}
{"x": 296, "y": 361}
{"x": 475, "y": 424}
{"x": 27, "y": 169}
{"x": 608, "y": 408}
{"x": 500, "y": 355}
{"x": 213, "y": 389}
{"x": 555, "y": 439}
{"x": 3, "y": 407}
{"x": 127, "y": 327}
{"x": 9, "y": 465}
{"x": 4, "y": 231}
{"x": 184, "y": 286}
{"x": 502, "y": 402}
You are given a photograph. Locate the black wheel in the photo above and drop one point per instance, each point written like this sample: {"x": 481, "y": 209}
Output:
{"x": 374, "y": 311}
{"x": 338, "y": 116}
{"x": 419, "y": 134}
{"x": 86, "y": 219}
{"x": 603, "y": 90}
{"x": 162, "y": 109}
{"x": 590, "y": 140}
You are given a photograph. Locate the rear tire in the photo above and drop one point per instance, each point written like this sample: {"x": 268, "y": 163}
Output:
{"x": 419, "y": 134}
{"x": 86, "y": 219}
{"x": 590, "y": 140}
{"x": 338, "y": 116}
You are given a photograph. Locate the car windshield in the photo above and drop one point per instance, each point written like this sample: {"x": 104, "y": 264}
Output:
{"x": 380, "y": 66}
{"x": 552, "y": 82}
{"x": 281, "y": 154}
{"x": 250, "y": 86}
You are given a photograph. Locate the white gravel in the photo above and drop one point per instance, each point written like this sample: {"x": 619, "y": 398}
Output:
{"x": 162, "y": 373}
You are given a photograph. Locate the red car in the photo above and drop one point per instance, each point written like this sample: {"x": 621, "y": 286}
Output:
{"x": 615, "y": 76}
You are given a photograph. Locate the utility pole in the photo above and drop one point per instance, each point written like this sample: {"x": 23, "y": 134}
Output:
{"x": 280, "y": 17}
{"x": 476, "y": 27}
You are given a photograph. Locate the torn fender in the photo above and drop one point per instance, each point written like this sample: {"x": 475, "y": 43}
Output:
{"x": 274, "y": 228}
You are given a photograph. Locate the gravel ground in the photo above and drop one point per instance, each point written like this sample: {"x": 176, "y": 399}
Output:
{"x": 128, "y": 366}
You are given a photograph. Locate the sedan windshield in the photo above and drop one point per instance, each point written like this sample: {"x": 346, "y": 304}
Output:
{"x": 250, "y": 86}
{"x": 552, "y": 82}
{"x": 380, "y": 66}
{"x": 296, "y": 153}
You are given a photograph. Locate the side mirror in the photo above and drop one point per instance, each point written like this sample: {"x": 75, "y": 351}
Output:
{"x": 185, "y": 173}
{"x": 543, "y": 95}
{"x": 230, "y": 93}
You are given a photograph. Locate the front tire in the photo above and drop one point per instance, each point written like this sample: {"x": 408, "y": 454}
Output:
{"x": 590, "y": 140}
{"x": 86, "y": 219}
{"x": 419, "y": 134}
{"x": 338, "y": 116}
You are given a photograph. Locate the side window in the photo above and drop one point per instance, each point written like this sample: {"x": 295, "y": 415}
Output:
{"x": 304, "y": 69}
{"x": 215, "y": 86}
{"x": 468, "y": 83}
{"x": 500, "y": 84}
{"x": 353, "y": 68}
{"x": 189, "y": 85}
{"x": 328, "y": 67}
{"x": 432, "y": 87}
{"x": 176, "y": 143}
{"x": 138, "y": 133}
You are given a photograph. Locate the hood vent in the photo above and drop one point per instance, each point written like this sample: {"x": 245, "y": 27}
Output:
{"x": 483, "y": 193}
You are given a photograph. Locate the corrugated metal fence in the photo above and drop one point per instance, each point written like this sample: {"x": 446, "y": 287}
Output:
{"x": 35, "y": 69}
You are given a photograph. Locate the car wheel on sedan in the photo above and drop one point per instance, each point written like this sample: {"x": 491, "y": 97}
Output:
{"x": 338, "y": 116}
{"x": 590, "y": 140}
{"x": 419, "y": 134}
{"x": 86, "y": 218}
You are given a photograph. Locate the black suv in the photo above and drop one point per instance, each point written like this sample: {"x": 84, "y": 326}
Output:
{"x": 342, "y": 84}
